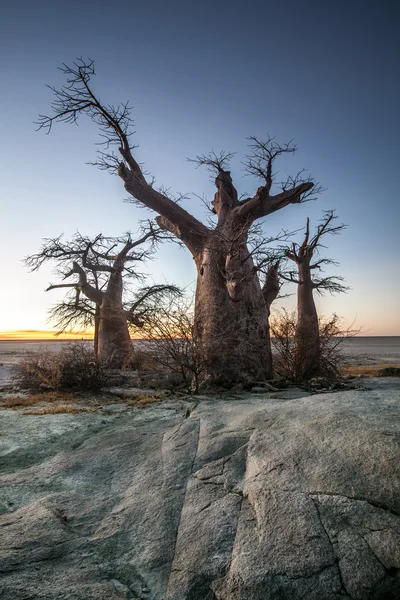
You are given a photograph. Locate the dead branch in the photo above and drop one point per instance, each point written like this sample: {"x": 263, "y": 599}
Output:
{"x": 215, "y": 162}
{"x": 303, "y": 253}
{"x": 77, "y": 98}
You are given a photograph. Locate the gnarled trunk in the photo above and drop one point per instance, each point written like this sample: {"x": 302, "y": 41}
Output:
{"x": 231, "y": 313}
{"x": 231, "y": 310}
{"x": 114, "y": 343}
{"x": 307, "y": 330}
{"x": 231, "y": 319}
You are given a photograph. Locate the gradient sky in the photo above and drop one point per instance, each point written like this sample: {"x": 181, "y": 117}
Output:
{"x": 201, "y": 76}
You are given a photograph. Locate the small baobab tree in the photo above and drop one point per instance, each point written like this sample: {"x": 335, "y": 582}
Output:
{"x": 99, "y": 267}
{"x": 308, "y": 265}
{"x": 231, "y": 321}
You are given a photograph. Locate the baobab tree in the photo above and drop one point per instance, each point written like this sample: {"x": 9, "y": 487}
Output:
{"x": 99, "y": 266}
{"x": 307, "y": 334}
{"x": 231, "y": 321}
{"x": 271, "y": 286}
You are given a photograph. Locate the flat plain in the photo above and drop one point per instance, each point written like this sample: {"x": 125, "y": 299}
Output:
{"x": 360, "y": 351}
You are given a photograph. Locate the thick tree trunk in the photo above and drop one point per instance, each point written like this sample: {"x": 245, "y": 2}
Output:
{"x": 231, "y": 319}
{"x": 307, "y": 330}
{"x": 114, "y": 343}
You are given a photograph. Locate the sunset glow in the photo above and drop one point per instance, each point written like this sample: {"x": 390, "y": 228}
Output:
{"x": 37, "y": 334}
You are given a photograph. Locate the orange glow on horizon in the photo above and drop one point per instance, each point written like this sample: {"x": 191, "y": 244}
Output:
{"x": 45, "y": 334}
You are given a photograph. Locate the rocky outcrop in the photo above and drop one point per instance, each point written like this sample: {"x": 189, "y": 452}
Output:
{"x": 262, "y": 497}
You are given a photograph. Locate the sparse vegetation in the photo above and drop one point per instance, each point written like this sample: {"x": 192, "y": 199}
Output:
{"x": 332, "y": 336}
{"x": 143, "y": 400}
{"x": 75, "y": 367}
{"x": 32, "y": 399}
{"x": 365, "y": 370}
{"x": 172, "y": 344}
{"x": 59, "y": 409}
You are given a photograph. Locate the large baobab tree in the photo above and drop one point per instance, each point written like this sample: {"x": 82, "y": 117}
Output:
{"x": 98, "y": 268}
{"x": 307, "y": 335}
{"x": 231, "y": 321}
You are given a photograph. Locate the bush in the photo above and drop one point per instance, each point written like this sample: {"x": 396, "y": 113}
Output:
{"x": 332, "y": 334}
{"x": 171, "y": 344}
{"x": 74, "y": 367}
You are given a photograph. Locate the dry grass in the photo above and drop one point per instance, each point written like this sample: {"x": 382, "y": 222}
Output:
{"x": 364, "y": 370}
{"x": 59, "y": 409}
{"x": 142, "y": 401}
{"x": 32, "y": 399}
{"x": 66, "y": 402}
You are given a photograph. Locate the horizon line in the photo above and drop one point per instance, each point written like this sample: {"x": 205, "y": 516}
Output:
{"x": 43, "y": 334}
{"x": 51, "y": 334}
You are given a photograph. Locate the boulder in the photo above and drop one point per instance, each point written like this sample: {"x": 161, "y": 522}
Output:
{"x": 250, "y": 498}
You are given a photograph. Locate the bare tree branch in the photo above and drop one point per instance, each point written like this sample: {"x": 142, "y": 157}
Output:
{"x": 262, "y": 204}
{"x": 263, "y": 153}
{"x": 215, "y": 162}
{"x": 302, "y": 254}
{"x": 99, "y": 259}
{"x": 77, "y": 98}
{"x": 90, "y": 292}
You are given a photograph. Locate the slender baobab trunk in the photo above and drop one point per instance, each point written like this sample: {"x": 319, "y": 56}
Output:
{"x": 114, "y": 343}
{"x": 307, "y": 340}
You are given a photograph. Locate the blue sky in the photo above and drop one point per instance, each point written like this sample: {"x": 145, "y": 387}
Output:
{"x": 203, "y": 76}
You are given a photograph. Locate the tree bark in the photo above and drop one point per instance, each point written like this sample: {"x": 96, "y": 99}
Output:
{"x": 115, "y": 346}
{"x": 231, "y": 313}
{"x": 231, "y": 320}
{"x": 307, "y": 329}
{"x": 271, "y": 286}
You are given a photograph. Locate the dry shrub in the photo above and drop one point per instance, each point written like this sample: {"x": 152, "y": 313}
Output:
{"x": 144, "y": 361}
{"x": 332, "y": 334}
{"x": 283, "y": 329}
{"x": 74, "y": 367}
{"x": 171, "y": 344}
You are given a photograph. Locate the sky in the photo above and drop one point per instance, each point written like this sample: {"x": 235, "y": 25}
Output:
{"x": 204, "y": 76}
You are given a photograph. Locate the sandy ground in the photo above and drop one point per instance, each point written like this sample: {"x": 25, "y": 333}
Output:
{"x": 373, "y": 350}
{"x": 366, "y": 351}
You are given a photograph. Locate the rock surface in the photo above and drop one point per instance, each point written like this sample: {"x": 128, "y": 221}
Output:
{"x": 251, "y": 498}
